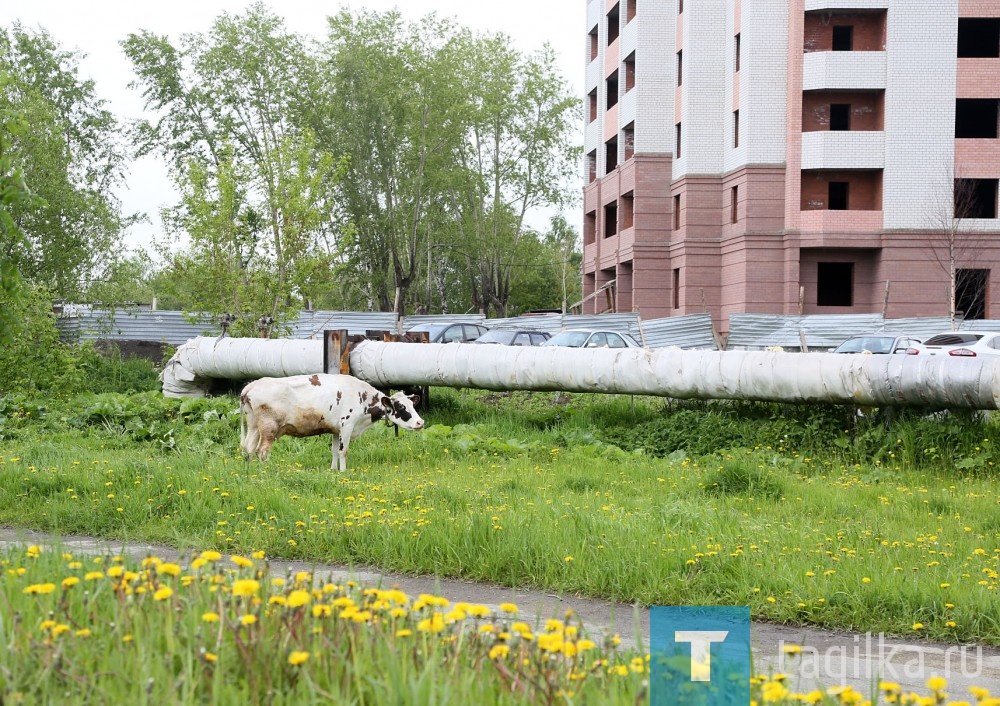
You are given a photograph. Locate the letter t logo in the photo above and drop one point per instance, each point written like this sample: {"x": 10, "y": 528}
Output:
{"x": 701, "y": 650}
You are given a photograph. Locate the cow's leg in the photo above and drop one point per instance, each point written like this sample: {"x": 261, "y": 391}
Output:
{"x": 268, "y": 434}
{"x": 335, "y": 452}
{"x": 346, "y": 431}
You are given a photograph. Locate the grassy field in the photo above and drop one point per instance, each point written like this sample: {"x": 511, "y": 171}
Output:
{"x": 225, "y": 630}
{"x": 820, "y": 521}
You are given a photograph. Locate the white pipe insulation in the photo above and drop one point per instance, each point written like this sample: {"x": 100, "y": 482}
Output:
{"x": 190, "y": 371}
{"x": 875, "y": 380}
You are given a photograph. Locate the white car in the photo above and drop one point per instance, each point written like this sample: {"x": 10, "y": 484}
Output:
{"x": 959, "y": 344}
{"x": 585, "y": 338}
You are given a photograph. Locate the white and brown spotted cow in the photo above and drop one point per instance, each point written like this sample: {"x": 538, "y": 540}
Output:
{"x": 307, "y": 405}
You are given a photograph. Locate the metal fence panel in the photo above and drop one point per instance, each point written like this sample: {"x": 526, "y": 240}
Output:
{"x": 693, "y": 331}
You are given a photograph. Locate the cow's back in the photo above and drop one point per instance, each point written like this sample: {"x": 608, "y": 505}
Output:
{"x": 306, "y": 402}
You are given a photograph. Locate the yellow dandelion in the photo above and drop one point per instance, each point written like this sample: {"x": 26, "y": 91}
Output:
{"x": 936, "y": 683}
{"x": 508, "y": 608}
{"x": 248, "y": 619}
{"x": 210, "y": 617}
{"x": 298, "y": 657}
{"x": 499, "y": 651}
{"x": 163, "y": 593}
{"x": 69, "y": 582}
{"x": 245, "y": 588}
{"x": 241, "y": 561}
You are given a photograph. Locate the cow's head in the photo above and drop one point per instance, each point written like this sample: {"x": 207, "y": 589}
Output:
{"x": 400, "y": 410}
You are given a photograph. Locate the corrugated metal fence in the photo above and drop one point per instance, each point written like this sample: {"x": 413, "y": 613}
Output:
{"x": 746, "y": 331}
{"x": 175, "y": 328}
{"x": 824, "y": 331}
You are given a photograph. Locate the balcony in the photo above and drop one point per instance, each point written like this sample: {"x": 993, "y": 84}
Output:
{"x": 843, "y": 150}
{"x": 846, "y": 5}
{"x": 861, "y": 222}
{"x": 843, "y": 70}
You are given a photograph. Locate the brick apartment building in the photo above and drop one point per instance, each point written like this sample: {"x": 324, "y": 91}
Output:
{"x": 786, "y": 156}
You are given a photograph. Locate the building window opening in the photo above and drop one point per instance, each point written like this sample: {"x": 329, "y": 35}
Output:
{"x": 835, "y": 284}
{"x": 970, "y": 293}
{"x": 840, "y": 116}
{"x": 736, "y": 128}
{"x": 611, "y": 155}
{"x": 677, "y": 211}
{"x": 592, "y": 106}
{"x": 677, "y": 146}
{"x": 628, "y": 135}
{"x": 837, "y": 196}
{"x": 680, "y": 6}
{"x": 628, "y": 210}
{"x": 677, "y": 288}
{"x": 592, "y": 165}
{"x": 593, "y": 44}
{"x": 680, "y": 68}
{"x": 843, "y": 37}
{"x": 611, "y": 219}
{"x": 612, "y": 90}
{"x": 613, "y": 25}
{"x": 976, "y": 198}
{"x": 734, "y": 202}
{"x": 630, "y": 72}
{"x": 629, "y": 10}
{"x": 589, "y": 227}
{"x": 976, "y": 118}
{"x": 978, "y": 37}
{"x": 736, "y": 62}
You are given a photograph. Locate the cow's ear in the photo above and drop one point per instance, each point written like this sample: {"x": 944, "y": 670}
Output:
{"x": 415, "y": 399}
{"x": 385, "y": 402}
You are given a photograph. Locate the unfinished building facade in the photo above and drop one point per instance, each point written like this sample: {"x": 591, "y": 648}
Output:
{"x": 792, "y": 156}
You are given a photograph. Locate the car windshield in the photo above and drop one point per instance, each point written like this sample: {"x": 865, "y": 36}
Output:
{"x": 952, "y": 339}
{"x": 433, "y": 330}
{"x": 503, "y": 337}
{"x": 872, "y": 344}
{"x": 574, "y": 339}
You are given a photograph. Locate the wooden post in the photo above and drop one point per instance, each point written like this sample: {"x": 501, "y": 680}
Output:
{"x": 336, "y": 352}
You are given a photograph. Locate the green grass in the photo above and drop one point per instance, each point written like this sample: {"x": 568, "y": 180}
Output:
{"x": 521, "y": 491}
{"x": 211, "y": 630}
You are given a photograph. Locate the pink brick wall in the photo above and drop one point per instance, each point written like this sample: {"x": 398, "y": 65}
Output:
{"x": 869, "y": 30}
{"x": 867, "y": 110}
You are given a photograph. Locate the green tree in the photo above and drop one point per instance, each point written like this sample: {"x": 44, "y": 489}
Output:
{"x": 256, "y": 186}
{"x": 14, "y": 194}
{"x": 392, "y": 107}
{"x": 518, "y": 155}
{"x": 72, "y": 157}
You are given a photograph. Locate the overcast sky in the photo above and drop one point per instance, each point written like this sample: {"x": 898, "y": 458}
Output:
{"x": 95, "y": 28}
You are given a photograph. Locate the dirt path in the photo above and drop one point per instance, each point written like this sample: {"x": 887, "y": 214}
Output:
{"x": 829, "y": 658}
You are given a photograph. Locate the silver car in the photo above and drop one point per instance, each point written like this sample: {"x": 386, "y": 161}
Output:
{"x": 583, "y": 338}
{"x": 879, "y": 343}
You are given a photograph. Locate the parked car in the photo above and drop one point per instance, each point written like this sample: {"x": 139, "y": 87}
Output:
{"x": 450, "y": 333}
{"x": 877, "y": 343}
{"x": 582, "y": 338}
{"x": 960, "y": 344}
{"x": 514, "y": 337}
